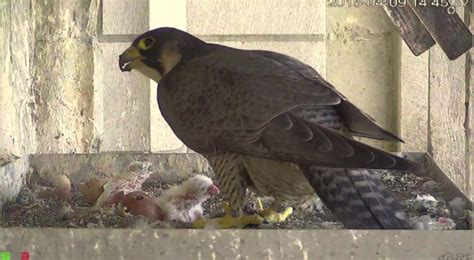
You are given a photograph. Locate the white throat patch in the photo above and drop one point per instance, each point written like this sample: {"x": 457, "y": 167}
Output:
{"x": 170, "y": 56}
{"x": 149, "y": 72}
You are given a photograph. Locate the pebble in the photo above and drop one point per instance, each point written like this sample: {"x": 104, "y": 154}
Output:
{"x": 457, "y": 206}
{"x": 92, "y": 225}
{"x": 430, "y": 186}
{"x": 66, "y": 211}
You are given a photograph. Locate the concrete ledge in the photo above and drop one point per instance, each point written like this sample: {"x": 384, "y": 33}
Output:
{"x": 168, "y": 166}
{"x": 80, "y": 167}
{"x": 51, "y": 243}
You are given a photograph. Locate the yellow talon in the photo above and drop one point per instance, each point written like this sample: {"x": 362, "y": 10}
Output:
{"x": 238, "y": 222}
{"x": 227, "y": 208}
{"x": 259, "y": 204}
{"x": 228, "y": 221}
{"x": 272, "y": 216}
{"x": 200, "y": 223}
{"x": 250, "y": 220}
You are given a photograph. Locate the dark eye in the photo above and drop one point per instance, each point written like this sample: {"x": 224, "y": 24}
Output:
{"x": 148, "y": 42}
{"x": 139, "y": 197}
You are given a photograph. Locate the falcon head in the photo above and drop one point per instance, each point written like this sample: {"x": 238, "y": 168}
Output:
{"x": 156, "y": 52}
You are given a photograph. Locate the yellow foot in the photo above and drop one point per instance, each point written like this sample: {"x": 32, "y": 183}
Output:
{"x": 228, "y": 221}
{"x": 272, "y": 216}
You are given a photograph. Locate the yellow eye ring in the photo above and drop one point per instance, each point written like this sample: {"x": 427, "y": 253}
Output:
{"x": 146, "y": 43}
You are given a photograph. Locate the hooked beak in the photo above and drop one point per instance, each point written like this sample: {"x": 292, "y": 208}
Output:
{"x": 130, "y": 59}
{"x": 212, "y": 190}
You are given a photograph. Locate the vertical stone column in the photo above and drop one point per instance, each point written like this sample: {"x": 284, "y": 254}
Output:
{"x": 17, "y": 99}
{"x": 362, "y": 63}
{"x": 63, "y": 70}
{"x": 450, "y": 120}
{"x": 414, "y": 99}
{"x": 164, "y": 13}
{"x": 470, "y": 112}
{"x": 121, "y": 100}
{"x": 448, "y": 115}
{"x": 470, "y": 122}
{"x": 17, "y": 122}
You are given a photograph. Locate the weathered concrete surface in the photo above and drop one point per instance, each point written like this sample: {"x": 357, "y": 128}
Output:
{"x": 81, "y": 167}
{"x": 46, "y": 83}
{"x": 470, "y": 114}
{"x": 121, "y": 103}
{"x": 470, "y": 121}
{"x": 125, "y": 17}
{"x": 17, "y": 95}
{"x": 63, "y": 73}
{"x": 448, "y": 115}
{"x": 436, "y": 110}
{"x": 217, "y": 17}
{"x": 235, "y": 244}
{"x": 414, "y": 100}
{"x": 360, "y": 63}
{"x": 361, "y": 20}
{"x": 17, "y": 122}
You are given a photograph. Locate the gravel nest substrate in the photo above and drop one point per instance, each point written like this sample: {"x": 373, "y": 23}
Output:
{"x": 28, "y": 210}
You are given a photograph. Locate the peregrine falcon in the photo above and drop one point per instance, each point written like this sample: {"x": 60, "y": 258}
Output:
{"x": 269, "y": 122}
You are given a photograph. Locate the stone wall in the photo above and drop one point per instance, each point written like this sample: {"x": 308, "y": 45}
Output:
{"x": 63, "y": 73}
{"x": 17, "y": 99}
{"x": 121, "y": 101}
{"x": 46, "y": 65}
{"x": 470, "y": 114}
{"x": 436, "y": 109}
{"x": 17, "y": 95}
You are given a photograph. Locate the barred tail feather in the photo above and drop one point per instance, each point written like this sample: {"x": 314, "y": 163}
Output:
{"x": 357, "y": 198}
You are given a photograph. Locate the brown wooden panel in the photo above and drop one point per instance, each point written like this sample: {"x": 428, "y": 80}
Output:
{"x": 445, "y": 27}
{"x": 410, "y": 27}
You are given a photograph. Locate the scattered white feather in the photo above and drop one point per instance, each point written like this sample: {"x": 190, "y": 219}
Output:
{"x": 426, "y": 201}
